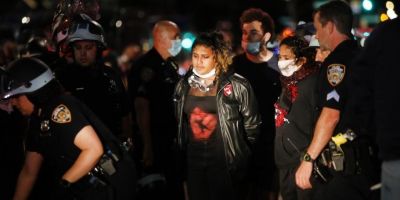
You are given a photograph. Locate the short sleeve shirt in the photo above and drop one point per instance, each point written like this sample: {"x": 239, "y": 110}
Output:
{"x": 333, "y": 76}
{"x": 53, "y": 132}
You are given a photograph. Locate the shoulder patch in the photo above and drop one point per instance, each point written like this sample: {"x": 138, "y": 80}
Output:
{"x": 61, "y": 114}
{"x": 228, "y": 90}
{"x": 335, "y": 74}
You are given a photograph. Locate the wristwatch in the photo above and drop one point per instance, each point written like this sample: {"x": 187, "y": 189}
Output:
{"x": 65, "y": 184}
{"x": 306, "y": 157}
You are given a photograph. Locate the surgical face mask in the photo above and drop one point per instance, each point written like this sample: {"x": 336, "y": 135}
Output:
{"x": 253, "y": 47}
{"x": 288, "y": 67}
{"x": 175, "y": 48}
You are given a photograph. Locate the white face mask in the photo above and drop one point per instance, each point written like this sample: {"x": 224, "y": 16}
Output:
{"x": 208, "y": 75}
{"x": 175, "y": 47}
{"x": 288, "y": 67}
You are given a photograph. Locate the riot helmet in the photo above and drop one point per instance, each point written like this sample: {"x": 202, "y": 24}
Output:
{"x": 25, "y": 76}
{"x": 84, "y": 28}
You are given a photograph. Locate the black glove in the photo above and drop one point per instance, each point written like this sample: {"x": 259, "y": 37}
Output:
{"x": 64, "y": 190}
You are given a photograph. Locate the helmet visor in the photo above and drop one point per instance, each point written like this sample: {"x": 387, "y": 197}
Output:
{"x": 11, "y": 87}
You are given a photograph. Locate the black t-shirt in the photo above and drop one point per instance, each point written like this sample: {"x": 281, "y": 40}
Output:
{"x": 53, "y": 132}
{"x": 203, "y": 130}
{"x": 101, "y": 89}
{"x": 333, "y": 81}
{"x": 295, "y": 122}
{"x": 154, "y": 79}
{"x": 264, "y": 79}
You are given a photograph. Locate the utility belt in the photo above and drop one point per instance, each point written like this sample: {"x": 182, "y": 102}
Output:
{"x": 107, "y": 166}
{"x": 346, "y": 154}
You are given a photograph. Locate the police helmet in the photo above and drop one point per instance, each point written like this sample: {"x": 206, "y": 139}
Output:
{"x": 25, "y": 76}
{"x": 84, "y": 28}
{"x": 59, "y": 28}
{"x": 36, "y": 46}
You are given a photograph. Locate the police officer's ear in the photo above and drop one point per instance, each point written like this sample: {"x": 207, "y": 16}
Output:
{"x": 330, "y": 25}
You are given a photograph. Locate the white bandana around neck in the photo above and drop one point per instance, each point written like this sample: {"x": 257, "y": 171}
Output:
{"x": 208, "y": 75}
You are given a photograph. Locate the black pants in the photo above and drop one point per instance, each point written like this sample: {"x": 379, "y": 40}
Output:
{"x": 351, "y": 187}
{"x": 214, "y": 184}
{"x": 208, "y": 177}
{"x": 288, "y": 187}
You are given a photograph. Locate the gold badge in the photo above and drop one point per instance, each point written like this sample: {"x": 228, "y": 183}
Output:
{"x": 336, "y": 74}
{"x": 61, "y": 114}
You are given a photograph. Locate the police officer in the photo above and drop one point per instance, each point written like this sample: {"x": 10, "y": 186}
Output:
{"x": 333, "y": 24}
{"x": 64, "y": 132}
{"x": 151, "y": 84}
{"x": 97, "y": 85}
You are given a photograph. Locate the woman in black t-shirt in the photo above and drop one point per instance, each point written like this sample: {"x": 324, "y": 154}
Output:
{"x": 218, "y": 122}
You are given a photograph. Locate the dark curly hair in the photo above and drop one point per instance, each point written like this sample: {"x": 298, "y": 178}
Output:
{"x": 300, "y": 48}
{"x": 256, "y": 14}
{"x": 221, "y": 50}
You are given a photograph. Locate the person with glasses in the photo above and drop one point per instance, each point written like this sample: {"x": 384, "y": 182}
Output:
{"x": 218, "y": 122}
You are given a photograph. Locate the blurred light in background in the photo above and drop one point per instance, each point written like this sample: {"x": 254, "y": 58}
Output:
{"x": 118, "y": 23}
{"x": 384, "y": 17}
{"x": 187, "y": 41}
{"x": 390, "y": 10}
{"x": 391, "y": 14}
{"x": 25, "y": 20}
{"x": 367, "y": 5}
{"x": 287, "y": 32}
{"x": 389, "y": 5}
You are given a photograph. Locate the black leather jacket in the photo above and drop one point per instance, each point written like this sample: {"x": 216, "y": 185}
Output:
{"x": 238, "y": 117}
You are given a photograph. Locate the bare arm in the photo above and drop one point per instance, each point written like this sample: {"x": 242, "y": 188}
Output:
{"x": 323, "y": 132}
{"x": 28, "y": 175}
{"x": 143, "y": 120}
{"x": 91, "y": 150}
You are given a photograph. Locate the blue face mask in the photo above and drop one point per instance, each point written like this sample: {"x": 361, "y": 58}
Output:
{"x": 253, "y": 47}
{"x": 175, "y": 48}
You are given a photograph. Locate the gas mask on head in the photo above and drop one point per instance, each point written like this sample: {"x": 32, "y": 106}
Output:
{"x": 288, "y": 67}
{"x": 198, "y": 80}
{"x": 175, "y": 48}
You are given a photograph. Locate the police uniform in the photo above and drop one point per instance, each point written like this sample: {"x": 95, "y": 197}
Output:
{"x": 100, "y": 88}
{"x": 52, "y": 133}
{"x": 154, "y": 79}
{"x": 333, "y": 93}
